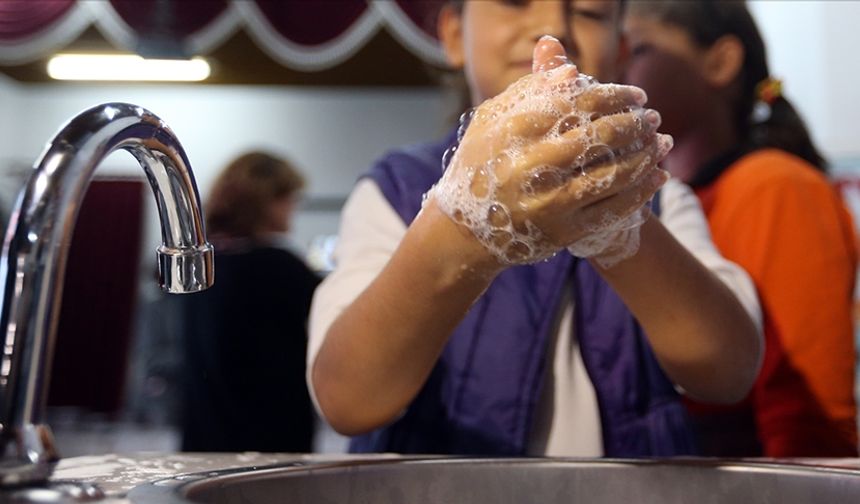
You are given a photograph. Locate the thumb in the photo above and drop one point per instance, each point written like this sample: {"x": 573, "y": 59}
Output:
{"x": 548, "y": 54}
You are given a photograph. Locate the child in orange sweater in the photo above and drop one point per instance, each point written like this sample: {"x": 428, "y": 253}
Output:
{"x": 771, "y": 210}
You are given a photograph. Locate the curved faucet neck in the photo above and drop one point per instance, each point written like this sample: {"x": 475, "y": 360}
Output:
{"x": 34, "y": 259}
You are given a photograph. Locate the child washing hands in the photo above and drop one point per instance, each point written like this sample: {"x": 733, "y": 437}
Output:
{"x": 448, "y": 325}
{"x": 575, "y": 165}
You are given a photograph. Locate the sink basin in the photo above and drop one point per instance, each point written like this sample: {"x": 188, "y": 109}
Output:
{"x": 510, "y": 481}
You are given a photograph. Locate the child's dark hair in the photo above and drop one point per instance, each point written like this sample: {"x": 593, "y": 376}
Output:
{"x": 708, "y": 20}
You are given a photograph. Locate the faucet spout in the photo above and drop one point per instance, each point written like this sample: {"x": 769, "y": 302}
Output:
{"x": 34, "y": 255}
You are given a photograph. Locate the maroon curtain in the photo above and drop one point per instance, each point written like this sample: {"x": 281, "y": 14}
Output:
{"x": 96, "y": 317}
{"x": 308, "y": 24}
{"x": 311, "y": 23}
{"x": 179, "y": 18}
{"x": 422, "y": 13}
{"x": 20, "y": 19}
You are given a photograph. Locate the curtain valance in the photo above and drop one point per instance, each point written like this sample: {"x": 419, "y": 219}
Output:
{"x": 304, "y": 35}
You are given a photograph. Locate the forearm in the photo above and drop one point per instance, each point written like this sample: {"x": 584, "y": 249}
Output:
{"x": 380, "y": 350}
{"x": 700, "y": 333}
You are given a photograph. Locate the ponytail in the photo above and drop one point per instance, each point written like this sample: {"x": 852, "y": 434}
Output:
{"x": 782, "y": 128}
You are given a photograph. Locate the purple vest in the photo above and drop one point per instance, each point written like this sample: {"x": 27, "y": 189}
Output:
{"x": 481, "y": 396}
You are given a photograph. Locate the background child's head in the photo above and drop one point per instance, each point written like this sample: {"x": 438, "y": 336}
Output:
{"x": 492, "y": 40}
{"x": 253, "y": 196}
{"x": 695, "y": 58}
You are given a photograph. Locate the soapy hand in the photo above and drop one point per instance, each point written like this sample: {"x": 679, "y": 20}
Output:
{"x": 556, "y": 160}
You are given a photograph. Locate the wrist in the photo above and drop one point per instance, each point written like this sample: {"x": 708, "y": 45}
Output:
{"x": 609, "y": 247}
{"x": 457, "y": 253}
{"x": 614, "y": 262}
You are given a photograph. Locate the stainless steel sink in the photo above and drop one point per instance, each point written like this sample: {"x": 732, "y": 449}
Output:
{"x": 511, "y": 481}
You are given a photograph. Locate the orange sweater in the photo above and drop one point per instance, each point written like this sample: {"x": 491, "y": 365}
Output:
{"x": 777, "y": 217}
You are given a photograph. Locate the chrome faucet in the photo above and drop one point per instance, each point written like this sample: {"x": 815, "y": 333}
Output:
{"x": 34, "y": 260}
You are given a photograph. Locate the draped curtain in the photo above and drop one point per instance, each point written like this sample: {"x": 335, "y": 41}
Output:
{"x": 306, "y": 35}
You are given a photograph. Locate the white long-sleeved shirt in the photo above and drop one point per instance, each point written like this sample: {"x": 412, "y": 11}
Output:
{"x": 567, "y": 422}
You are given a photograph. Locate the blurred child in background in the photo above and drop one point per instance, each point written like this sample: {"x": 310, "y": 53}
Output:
{"x": 771, "y": 209}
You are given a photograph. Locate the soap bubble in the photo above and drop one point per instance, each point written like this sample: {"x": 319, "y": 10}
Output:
{"x": 447, "y": 156}
{"x": 498, "y": 217}
{"x": 599, "y": 167}
{"x": 543, "y": 179}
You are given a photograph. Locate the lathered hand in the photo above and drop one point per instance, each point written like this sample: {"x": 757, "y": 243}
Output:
{"x": 556, "y": 160}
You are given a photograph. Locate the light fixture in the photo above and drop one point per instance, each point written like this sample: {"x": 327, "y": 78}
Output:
{"x": 125, "y": 67}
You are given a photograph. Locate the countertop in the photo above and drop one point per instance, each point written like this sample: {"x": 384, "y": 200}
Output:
{"x": 116, "y": 474}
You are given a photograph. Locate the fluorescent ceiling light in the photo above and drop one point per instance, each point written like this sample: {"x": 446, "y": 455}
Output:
{"x": 125, "y": 67}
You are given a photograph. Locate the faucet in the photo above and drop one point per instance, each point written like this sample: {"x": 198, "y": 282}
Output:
{"x": 34, "y": 257}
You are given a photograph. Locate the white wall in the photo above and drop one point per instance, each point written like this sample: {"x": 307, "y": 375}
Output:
{"x": 331, "y": 134}
{"x": 8, "y": 111}
{"x": 10, "y": 160}
{"x": 840, "y": 78}
{"x": 812, "y": 48}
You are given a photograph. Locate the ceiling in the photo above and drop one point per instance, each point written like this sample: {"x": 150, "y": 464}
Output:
{"x": 382, "y": 61}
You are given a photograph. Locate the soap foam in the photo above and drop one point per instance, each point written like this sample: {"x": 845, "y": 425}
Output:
{"x": 470, "y": 194}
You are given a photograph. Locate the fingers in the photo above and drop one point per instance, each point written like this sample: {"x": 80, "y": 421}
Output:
{"x": 607, "y": 99}
{"x": 624, "y": 203}
{"x": 548, "y": 54}
{"x": 606, "y": 180}
{"x": 548, "y": 186}
{"x": 578, "y": 146}
{"x": 529, "y": 124}
{"x": 620, "y": 130}
{"x": 590, "y": 105}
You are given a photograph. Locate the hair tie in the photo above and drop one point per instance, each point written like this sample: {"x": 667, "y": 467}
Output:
{"x": 768, "y": 90}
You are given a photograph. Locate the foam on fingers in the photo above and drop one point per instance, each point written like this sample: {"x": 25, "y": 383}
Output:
{"x": 521, "y": 152}
{"x": 548, "y": 54}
